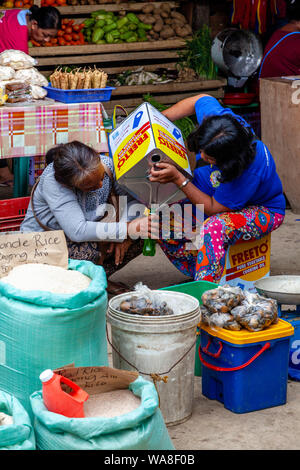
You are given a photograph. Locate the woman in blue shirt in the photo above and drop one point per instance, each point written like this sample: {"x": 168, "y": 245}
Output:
{"x": 239, "y": 188}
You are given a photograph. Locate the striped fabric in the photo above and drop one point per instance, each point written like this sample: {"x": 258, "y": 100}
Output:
{"x": 33, "y": 130}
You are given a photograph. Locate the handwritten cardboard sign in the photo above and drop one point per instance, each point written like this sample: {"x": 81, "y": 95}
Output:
{"x": 32, "y": 247}
{"x": 94, "y": 380}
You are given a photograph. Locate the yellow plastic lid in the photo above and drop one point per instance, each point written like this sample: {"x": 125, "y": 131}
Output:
{"x": 243, "y": 336}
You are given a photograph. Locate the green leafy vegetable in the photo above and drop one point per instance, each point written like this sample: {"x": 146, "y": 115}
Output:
{"x": 197, "y": 54}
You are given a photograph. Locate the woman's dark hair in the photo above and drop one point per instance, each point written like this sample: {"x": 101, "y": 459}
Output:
{"x": 46, "y": 17}
{"x": 227, "y": 141}
{"x": 293, "y": 10}
{"x": 73, "y": 162}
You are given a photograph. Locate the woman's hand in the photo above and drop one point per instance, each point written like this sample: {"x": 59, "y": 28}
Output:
{"x": 144, "y": 227}
{"x": 121, "y": 250}
{"x": 166, "y": 173}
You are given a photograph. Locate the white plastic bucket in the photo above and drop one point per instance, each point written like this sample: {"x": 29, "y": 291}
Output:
{"x": 160, "y": 345}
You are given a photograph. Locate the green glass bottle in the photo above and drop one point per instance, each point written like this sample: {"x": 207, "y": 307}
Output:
{"x": 149, "y": 247}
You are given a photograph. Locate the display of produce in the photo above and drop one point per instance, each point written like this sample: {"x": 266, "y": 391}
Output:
{"x": 78, "y": 79}
{"x": 70, "y": 34}
{"x": 53, "y": 3}
{"x": 18, "y": 4}
{"x": 106, "y": 27}
{"x": 231, "y": 308}
{"x": 166, "y": 22}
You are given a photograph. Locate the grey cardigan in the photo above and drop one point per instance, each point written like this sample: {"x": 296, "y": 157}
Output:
{"x": 73, "y": 211}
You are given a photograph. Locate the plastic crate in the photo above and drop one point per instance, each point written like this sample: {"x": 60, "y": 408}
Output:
{"x": 79, "y": 96}
{"x": 245, "y": 370}
{"x": 12, "y": 213}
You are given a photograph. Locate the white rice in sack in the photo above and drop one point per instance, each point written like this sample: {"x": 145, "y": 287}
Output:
{"x": 48, "y": 278}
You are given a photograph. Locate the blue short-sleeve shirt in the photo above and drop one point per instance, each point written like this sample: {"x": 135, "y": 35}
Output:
{"x": 259, "y": 184}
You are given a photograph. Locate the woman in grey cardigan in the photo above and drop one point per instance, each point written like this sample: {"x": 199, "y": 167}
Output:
{"x": 71, "y": 195}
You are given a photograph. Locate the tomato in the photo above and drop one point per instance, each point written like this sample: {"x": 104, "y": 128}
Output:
{"x": 60, "y": 33}
{"x": 68, "y": 30}
{"x": 64, "y": 21}
{"x": 68, "y": 37}
{"x": 61, "y": 42}
{"x": 76, "y": 28}
{"x": 75, "y": 37}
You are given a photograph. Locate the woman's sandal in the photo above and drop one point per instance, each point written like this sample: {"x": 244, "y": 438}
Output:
{"x": 117, "y": 288}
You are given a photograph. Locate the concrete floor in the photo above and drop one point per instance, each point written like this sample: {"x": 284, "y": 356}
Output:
{"x": 211, "y": 425}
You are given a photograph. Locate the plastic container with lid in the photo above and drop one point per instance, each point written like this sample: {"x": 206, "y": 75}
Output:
{"x": 244, "y": 370}
{"x": 59, "y": 401}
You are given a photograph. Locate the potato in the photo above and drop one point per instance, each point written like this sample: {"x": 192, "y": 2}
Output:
{"x": 158, "y": 26}
{"x": 156, "y": 12}
{"x": 169, "y": 21}
{"x": 148, "y": 9}
{"x": 178, "y": 16}
{"x": 155, "y": 36}
{"x": 167, "y": 32}
{"x": 164, "y": 14}
{"x": 149, "y": 19}
{"x": 183, "y": 31}
{"x": 141, "y": 17}
{"x": 165, "y": 7}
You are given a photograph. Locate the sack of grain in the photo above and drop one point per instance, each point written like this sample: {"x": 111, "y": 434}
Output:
{"x": 41, "y": 330}
{"x": 143, "y": 428}
{"x": 18, "y": 435}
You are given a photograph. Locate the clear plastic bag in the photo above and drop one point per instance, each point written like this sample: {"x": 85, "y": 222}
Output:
{"x": 17, "y": 59}
{"x": 231, "y": 308}
{"x": 145, "y": 302}
{"x": 256, "y": 312}
{"x": 222, "y": 299}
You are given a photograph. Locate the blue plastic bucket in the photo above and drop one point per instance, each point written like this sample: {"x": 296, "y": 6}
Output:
{"x": 246, "y": 371}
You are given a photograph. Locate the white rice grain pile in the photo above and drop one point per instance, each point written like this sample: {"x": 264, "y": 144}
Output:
{"x": 5, "y": 419}
{"x": 111, "y": 404}
{"x": 47, "y": 278}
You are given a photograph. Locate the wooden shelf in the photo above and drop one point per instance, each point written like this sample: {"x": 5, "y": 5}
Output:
{"x": 105, "y": 48}
{"x": 171, "y": 87}
{"x": 81, "y": 9}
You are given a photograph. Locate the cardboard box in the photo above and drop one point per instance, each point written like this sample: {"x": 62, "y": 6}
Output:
{"x": 247, "y": 262}
{"x": 143, "y": 139}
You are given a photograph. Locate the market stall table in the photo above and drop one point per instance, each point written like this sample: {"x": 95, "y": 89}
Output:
{"x": 31, "y": 130}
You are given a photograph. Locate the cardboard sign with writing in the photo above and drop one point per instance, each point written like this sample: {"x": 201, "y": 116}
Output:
{"x": 94, "y": 380}
{"x": 32, "y": 247}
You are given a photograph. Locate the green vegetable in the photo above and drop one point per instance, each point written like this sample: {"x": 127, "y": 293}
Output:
{"x": 132, "y": 38}
{"x": 98, "y": 33}
{"x": 145, "y": 26}
{"x": 99, "y": 23}
{"x": 122, "y": 22}
{"x": 142, "y": 33}
{"x": 110, "y": 27}
{"x": 98, "y": 12}
{"x": 132, "y": 26}
{"x": 126, "y": 35}
{"x": 89, "y": 22}
{"x": 197, "y": 54}
{"x": 101, "y": 41}
{"x": 133, "y": 18}
{"x": 109, "y": 38}
{"x": 115, "y": 33}
{"x": 101, "y": 17}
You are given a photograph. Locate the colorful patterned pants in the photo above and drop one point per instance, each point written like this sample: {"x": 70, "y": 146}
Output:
{"x": 219, "y": 232}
